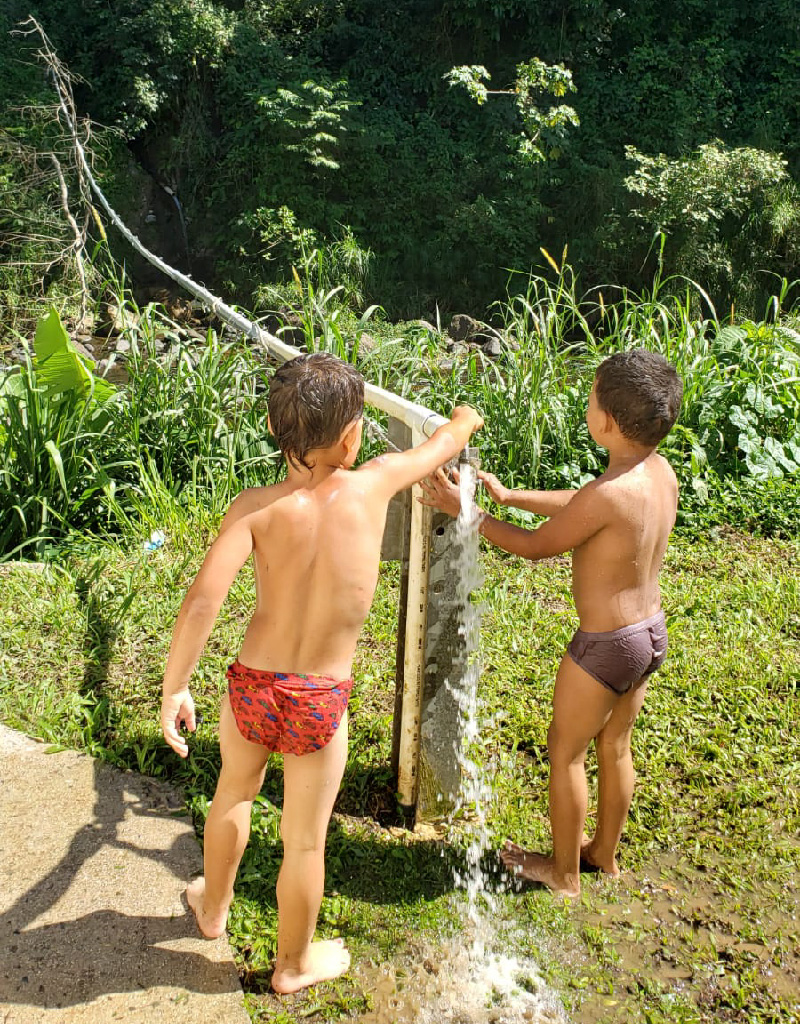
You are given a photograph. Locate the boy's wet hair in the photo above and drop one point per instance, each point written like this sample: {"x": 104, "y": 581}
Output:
{"x": 312, "y": 399}
{"x": 642, "y": 391}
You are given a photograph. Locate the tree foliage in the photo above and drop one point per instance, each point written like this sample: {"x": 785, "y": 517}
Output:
{"x": 290, "y": 119}
{"x": 534, "y": 77}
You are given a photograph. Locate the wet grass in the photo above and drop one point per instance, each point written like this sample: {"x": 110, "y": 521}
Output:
{"x": 704, "y": 924}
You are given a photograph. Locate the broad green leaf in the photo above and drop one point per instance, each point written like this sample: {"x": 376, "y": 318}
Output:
{"x": 700, "y": 488}
{"x": 59, "y": 366}
{"x": 11, "y": 383}
{"x": 741, "y": 419}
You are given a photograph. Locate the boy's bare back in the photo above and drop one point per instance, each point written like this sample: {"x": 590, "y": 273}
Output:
{"x": 316, "y": 552}
{"x": 615, "y": 570}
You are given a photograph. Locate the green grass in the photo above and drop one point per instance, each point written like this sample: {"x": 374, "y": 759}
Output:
{"x": 704, "y": 924}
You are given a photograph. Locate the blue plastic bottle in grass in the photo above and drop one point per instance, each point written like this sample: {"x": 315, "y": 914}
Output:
{"x": 155, "y": 541}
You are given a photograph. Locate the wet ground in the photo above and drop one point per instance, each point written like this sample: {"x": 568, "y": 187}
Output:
{"x": 725, "y": 941}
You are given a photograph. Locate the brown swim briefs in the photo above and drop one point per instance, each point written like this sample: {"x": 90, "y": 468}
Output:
{"x": 622, "y": 657}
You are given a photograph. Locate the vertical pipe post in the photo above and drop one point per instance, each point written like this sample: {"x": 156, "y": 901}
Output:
{"x": 396, "y": 541}
{"x": 414, "y": 650}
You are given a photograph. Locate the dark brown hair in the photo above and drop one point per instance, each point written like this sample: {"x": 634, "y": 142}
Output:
{"x": 312, "y": 399}
{"x": 643, "y": 393}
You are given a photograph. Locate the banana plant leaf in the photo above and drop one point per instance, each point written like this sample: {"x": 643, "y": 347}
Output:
{"x": 60, "y": 367}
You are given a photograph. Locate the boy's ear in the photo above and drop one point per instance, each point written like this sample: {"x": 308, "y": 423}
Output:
{"x": 350, "y": 436}
{"x": 269, "y": 425}
{"x": 610, "y": 423}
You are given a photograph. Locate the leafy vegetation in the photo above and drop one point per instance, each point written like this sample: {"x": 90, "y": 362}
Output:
{"x": 736, "y": 445}
{"x": 77, "y": 454}
{"x": 279, "y": 121}
{"x": 190, "y": 423}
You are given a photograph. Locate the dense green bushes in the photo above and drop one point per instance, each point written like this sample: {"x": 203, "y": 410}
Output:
{"x": 78, "y": 455}
{"x": 290, "y": 120}
{"x": 736, "y": 447}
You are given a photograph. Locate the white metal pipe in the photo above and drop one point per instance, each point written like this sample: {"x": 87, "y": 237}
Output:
{"x": 413, "y": 415}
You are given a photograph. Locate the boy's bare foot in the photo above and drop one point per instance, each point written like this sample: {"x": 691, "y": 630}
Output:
{"x": 211, "y": 925}
{"x": 589, "y": 856}
{"x": 326, "y": 959}
{"x": 533, "y": 867}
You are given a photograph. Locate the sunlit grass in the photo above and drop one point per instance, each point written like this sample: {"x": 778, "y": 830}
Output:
{"x": 715, "y": 816}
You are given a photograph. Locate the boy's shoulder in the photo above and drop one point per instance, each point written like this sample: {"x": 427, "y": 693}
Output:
{"x": 646, "y": 481}
{"x": 253, "y": 499}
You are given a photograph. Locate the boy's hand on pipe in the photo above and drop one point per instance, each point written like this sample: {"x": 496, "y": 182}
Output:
{"x": 498, "y": 492}
{"x": 467, "y": 412}
{"x": 439, "y": 491}
{"x": 177, "y": 710}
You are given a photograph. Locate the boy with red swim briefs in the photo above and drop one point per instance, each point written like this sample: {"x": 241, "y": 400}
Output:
{"x": 617, "y": 529}
{"x": 315, "y": 540}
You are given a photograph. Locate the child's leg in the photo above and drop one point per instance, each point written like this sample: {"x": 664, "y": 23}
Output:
{"x": 581, "y": 707}
{"x": 615, "y": 779}
{"x": 228, "y": 824}
{"x": 310, "y": 786}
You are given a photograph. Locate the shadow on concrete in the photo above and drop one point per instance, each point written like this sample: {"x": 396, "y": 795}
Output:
{"x": 97, "y": 849}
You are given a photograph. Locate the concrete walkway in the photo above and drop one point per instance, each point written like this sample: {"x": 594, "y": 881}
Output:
{"x": 93, "y": 929}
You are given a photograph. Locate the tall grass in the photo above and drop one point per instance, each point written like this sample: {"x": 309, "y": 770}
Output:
{"x": 737, "y": 440}
{"x": 188, "y": 430}
{"x": 198, "y": 413}
{"x": 59, "y": 457}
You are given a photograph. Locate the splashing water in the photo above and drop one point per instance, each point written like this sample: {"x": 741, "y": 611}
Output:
{"x": 475, "y": 793}
{"x": 468, "y": 978}
{"x": 443, "y": 984}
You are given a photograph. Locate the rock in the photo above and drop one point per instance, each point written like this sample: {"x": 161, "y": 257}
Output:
{"x": 365, "y": 344}
{"x": 83, "y": 350}
{"x": 85, "y": 325}
{"x": 493, "y": 348}
{"x": 116, "y": 320}
{"x": 123, "y": 345}
{"x": 462, "y": 326}
{"x": 427, "y": 325}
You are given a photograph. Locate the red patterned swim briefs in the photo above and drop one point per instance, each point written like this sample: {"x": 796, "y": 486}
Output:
{"x": 286, "y": 712}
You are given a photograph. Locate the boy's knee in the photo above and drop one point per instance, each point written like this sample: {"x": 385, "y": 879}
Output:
{"x": 243, "y": 787}
{"x": 613, "y": 748}
{"x": 298, "y": 839}
{"x": 560, "y": 750}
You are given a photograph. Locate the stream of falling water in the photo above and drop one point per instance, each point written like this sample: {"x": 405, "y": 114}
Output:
{"x": 472, "y": 977}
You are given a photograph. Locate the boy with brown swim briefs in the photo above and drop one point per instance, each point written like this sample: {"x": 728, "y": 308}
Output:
{"x": 617, "y": 528}
{"x": 315, "y": 540}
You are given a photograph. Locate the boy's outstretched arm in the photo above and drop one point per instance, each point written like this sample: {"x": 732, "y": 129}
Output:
{"x": 400, "y": 470}
{"x": 542, "y": 503}
{"x": 196, "y": 618}
{"x": 584, "y": 516}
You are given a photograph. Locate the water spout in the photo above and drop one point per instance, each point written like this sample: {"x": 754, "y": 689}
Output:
{"x": 470, "y": 456}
